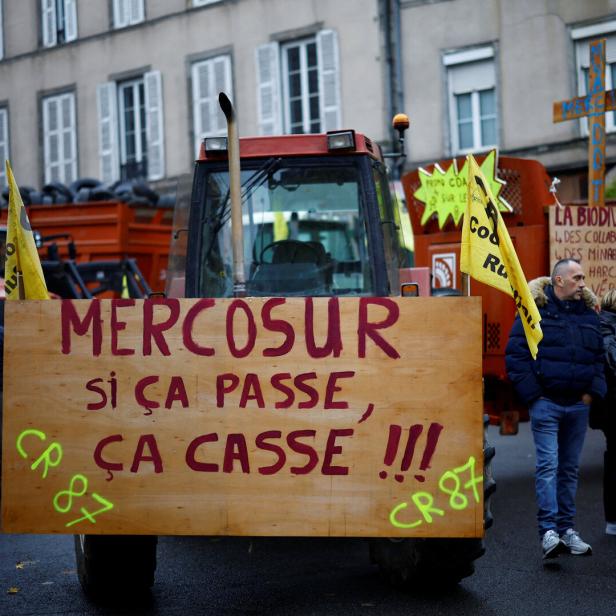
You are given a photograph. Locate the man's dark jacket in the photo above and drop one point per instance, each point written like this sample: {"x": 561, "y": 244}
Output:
{"x": 570, "y": 358}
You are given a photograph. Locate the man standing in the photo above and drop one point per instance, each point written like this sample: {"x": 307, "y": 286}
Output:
{"x": 558, "y": 387}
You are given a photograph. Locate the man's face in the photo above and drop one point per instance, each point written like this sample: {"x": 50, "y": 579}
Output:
{"x": 570, "y": 282}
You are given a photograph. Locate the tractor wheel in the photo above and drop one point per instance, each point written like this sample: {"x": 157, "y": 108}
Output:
{"x": 413, "y": 563}
{"x": 425, "y": 563}
{"x": 116, "y": 566}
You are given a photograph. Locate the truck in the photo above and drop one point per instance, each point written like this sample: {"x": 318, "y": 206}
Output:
{"x": 528, "y": 192}
{"x": 88, "y": 247}
{"x": 292, "y": 216}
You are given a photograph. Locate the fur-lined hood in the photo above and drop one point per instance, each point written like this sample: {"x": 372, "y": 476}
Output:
{"x": 537, "y": 290}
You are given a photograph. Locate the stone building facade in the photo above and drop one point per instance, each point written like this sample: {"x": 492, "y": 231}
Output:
{"x": 127, "y": 88}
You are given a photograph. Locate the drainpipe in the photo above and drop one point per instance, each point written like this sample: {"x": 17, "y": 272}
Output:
{"x": 394, "y": 91}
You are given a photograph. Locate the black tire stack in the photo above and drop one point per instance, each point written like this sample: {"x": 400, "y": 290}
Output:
{"x": 84, "y": 190}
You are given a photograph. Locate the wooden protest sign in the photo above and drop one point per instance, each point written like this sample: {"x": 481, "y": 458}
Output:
{"x": 587, "y": 234}
{"x": 593, "y": 106}
{"x": 298, "y": 417}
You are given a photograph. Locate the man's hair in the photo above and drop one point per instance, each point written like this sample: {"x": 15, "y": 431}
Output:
{"x": 608, "y": 302}
{"x": 560, "y": 266}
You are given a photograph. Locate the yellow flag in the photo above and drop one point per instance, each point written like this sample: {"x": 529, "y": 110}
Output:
{"x": 281, "y": 229}
{"x": 125, "y": 292}
{"x": 23, "y": 275}
{"x": 487, "y": 253}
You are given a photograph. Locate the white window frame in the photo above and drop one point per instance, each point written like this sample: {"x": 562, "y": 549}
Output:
{"x": 216, "y": 123}
{"x": 140, "y": 148}
{"x": 111, "y": 126}
{"x": 60, "y": 133}
{"x": 302, "y": 44}
{"x": 272, "y": 84}
{"x": 465, "y": 58}
{"x": 127, "y": 13}
{"x": 582, "y": 37}
{"x": 4, "y": 144}
{"x": 204, "y": 2}
{"x": 51, "y": 13}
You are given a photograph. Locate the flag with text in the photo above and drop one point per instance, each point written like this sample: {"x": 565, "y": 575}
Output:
{"x": 487, "y": 253}
{"x": 23, "y": 275}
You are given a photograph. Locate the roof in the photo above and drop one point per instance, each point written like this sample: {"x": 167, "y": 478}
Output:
{"x": 295, "y": 145}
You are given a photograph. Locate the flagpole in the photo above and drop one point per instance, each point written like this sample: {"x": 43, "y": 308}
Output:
{"x": 466, "y": 285}
{"x": 20, "y": 286}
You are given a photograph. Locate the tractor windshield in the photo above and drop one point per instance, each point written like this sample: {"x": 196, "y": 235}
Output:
{"x": 304, "y": 231}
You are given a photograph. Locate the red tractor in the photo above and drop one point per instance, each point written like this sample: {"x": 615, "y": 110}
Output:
{"x": 295, "y": 215}
{"x": 527, "y": 190}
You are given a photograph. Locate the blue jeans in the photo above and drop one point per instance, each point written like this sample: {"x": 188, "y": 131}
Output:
{"x": 559, "y": 433}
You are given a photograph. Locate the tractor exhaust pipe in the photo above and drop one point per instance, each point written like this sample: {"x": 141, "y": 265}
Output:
{"x": 235, "y": 187}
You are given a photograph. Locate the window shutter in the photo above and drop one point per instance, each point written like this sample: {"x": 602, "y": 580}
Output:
{"x": 222, "y": 83}
{"x": 68, "y": 136}
{"x": 202, "y": 101}
{"x": 329, "y": 80}
{"x": 210, "y": 77}
{"x": 70, "y": 20}
{"x": 136, "y": 11}
{"x": 121, "y": 13}
{"x": 106, "y": 98}
{"x": 268, "y": 89}
{"x": 48, "y": 20}
{"x": 51, "y": 143}
{"x": 154, "y": 125}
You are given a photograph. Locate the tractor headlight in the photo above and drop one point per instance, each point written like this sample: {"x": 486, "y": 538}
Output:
{"x": 215, "y": 144}
{"x": 341, "y": 140}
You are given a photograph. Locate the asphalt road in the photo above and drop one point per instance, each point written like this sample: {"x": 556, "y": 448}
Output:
{"x": 290, "y": 576}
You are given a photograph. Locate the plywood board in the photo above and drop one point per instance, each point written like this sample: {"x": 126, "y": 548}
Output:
{"x": 589, "y": 235}
{"x": 297, "y": 417}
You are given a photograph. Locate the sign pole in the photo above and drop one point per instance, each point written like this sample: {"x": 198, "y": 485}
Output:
{"x": 466, "y": 285}
{"x": 596, "y": 124}
{"x": 593, "y": 106}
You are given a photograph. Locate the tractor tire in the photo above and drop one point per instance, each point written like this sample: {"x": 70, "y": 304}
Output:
{"x": 77, "y": 185}
{"x": 410, "y": 564}
{"x": 435, "y": 563}
{"x": 116, "y": 567}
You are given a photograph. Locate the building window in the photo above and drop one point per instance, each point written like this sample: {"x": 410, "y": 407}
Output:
{"x": 473, "y": 113}
{"x": 131, "y": 129}
{"x": 59, "y": 21}
{"x": 131, "y": 111}
{"x": 300, "y": 70}
{"x": 127, "y": 13}
{"x": 582, "y": 38}
{"x": 299, "y": 85}
{"x": 4, "y": 144}
{"x": 209, "y": 77}
{"x": 60, "y": 138}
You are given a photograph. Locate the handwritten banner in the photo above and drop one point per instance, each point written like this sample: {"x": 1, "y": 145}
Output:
{"x": 328, "y": 417}
{"x": 589, "y": 235}
{"x": 583, "y": 106}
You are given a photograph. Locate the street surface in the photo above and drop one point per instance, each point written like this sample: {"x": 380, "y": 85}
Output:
{"x": 334, "y": 577}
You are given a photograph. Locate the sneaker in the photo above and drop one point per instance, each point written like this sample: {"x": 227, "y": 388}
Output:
{"x": 552, "y": 544}
{"x": 571, "y": 538}
{"x": 610, "y": 528}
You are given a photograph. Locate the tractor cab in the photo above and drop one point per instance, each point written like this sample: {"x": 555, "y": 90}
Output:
{"x": 317, "y": 214}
